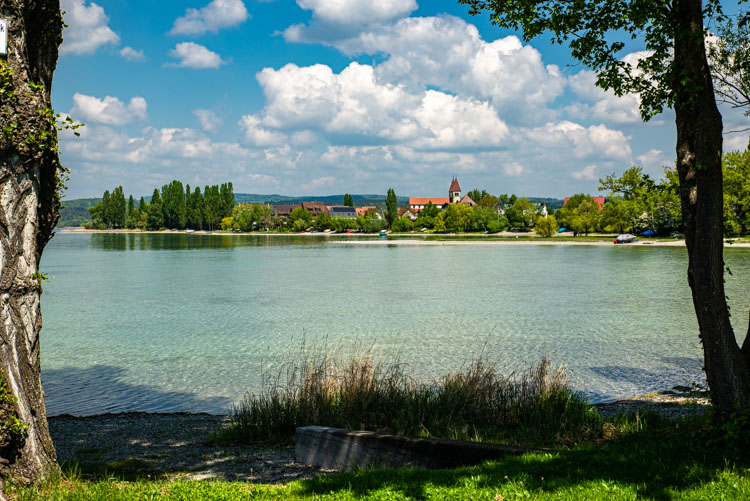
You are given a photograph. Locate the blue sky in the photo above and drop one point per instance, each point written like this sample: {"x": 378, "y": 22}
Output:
{"x": 316, "y": 97}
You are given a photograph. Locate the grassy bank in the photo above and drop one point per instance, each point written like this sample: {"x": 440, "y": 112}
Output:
{"x": 659, "y": 459}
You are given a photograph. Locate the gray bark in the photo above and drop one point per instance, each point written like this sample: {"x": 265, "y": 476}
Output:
{"x": 699, "y": 149}
{"x": 29, "y": 206}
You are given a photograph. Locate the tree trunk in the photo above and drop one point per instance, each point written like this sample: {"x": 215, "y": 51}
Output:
{"x": 699, "y": 149}
{"x": 29, "y": 203}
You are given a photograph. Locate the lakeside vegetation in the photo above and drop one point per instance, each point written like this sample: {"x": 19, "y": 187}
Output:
{"x": 634, "y": 203}
{"x": 595, "y": 457}
{"x": 477, "y": 403}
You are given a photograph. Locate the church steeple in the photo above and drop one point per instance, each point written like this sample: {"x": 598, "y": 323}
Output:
{"x": 454, "y": 192}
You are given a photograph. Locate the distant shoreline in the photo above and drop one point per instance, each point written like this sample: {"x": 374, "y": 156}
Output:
{"x": 503, "y": 238}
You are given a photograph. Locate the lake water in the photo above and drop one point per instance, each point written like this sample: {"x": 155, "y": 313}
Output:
{"x": 170, "y": 322}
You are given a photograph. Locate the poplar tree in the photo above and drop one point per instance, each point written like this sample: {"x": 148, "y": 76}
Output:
{"x": 118, "y": 208}
{"x": 155, "y": 219}
{"x": 391, "y": 207}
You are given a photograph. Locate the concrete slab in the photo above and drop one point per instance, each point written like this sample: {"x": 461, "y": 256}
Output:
{"x": 337, "y": 448}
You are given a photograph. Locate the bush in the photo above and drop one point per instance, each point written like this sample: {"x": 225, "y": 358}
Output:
{"x": 546, "y": 226}
{"x": 403, "y": 224}
{"x": 373, "y": 225}
{"x": 496, "y": 226}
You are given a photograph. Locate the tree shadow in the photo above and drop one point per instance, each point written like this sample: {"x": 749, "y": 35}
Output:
{"x": 153, "y": 446}
{"x": 108, "y": 438}
{"x": 650, "y": 465}
{"x": 102, "y": 389}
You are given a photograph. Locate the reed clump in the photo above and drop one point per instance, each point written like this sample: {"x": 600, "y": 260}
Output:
{"x": 362, "y": 392}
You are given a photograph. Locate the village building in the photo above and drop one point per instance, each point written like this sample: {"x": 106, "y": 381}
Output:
{"x": 314, "y": 207}
{"x": 343, "y": 211}
{"x": 363, "y": 211}
{"x": 416, "y": 204}
{"x": 282, "y": 211}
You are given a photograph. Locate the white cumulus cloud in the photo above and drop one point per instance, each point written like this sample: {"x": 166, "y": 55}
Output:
{"x": 88, "y": 28}
{"x": 585, "y": 173}
{"x": 109, "y": 110}
{"x": 214, "y": 16}
{"x": 257, "y": 135}
{"x": 458, "y": 123}
{"x": 353, "y": 107}
{"x": 209, "y": 121}
{"x": 195, "y": 56}
{"x": 513, "y": 169}
{"x": 580, "y": 142}
{"x": 336, "y": 19}
{"x": 448, "y": 53}
{"x": 132, "y": 54}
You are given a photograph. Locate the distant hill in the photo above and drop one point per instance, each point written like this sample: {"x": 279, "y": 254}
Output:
{"x": 359, "y": 200}
{"x": 552, "y": 203}
{"x": 75, "y": 212}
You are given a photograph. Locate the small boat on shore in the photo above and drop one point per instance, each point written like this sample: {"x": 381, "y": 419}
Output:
{"x": 625, "y": 238}
{"x": 383, "y": 233}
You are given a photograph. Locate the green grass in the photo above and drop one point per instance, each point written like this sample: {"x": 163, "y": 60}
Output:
{"x": 476, "y": 403}
{"x": 657, "y": 460}
{"x": 90, "y": 468}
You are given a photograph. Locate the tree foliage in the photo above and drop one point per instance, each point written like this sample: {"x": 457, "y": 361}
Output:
{"x": 636, "y": 203}
{"x": 403, "y": 224}
{"x": 729, "y": 55}
{"x": 736, "y": 167}
{"x": 546, "y": 226}
{"x": 457, "y": 217}
{"x": 391, "y": 207}
{"x": 521, "y": 214}
{"x": 173, "y": 207}
{"x": 111, "y": 211}
{"x": 251, "y": 217}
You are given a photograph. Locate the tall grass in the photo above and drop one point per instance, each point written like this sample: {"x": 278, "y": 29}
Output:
{"x": 362, "y": 392}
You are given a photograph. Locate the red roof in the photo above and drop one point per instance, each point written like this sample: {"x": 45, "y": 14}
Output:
{"x": 361, "y": 211}
{"x": 454, "y": 185}
{"x": 599, "y": 201}
{"x": 426, "y": 200}
{"x": 468, "y": 201}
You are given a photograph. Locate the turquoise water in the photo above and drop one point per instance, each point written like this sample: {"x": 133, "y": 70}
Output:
{"x": 170, "y": 322}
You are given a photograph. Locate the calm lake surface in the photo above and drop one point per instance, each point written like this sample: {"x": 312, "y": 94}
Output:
{"x": 171, "y": 322}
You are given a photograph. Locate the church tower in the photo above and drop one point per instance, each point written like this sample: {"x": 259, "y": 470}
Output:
{"x": 454, "y": 192}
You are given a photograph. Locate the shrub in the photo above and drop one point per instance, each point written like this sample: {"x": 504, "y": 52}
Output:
{"x": 546, "y": 226}
{"x": 403, "y": 224}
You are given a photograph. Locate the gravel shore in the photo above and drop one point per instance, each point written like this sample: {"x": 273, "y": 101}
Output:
{"x": 171, "y": 445}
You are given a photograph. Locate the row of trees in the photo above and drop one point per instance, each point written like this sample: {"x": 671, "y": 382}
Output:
{"x": 174, "y": 207}
{"x": 636, "y": 203}
{"x": 253, "y": 217}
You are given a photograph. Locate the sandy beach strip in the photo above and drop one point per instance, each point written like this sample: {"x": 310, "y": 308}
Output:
{"x": 408, "y": 239}
{"x": 524, "y": 242}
